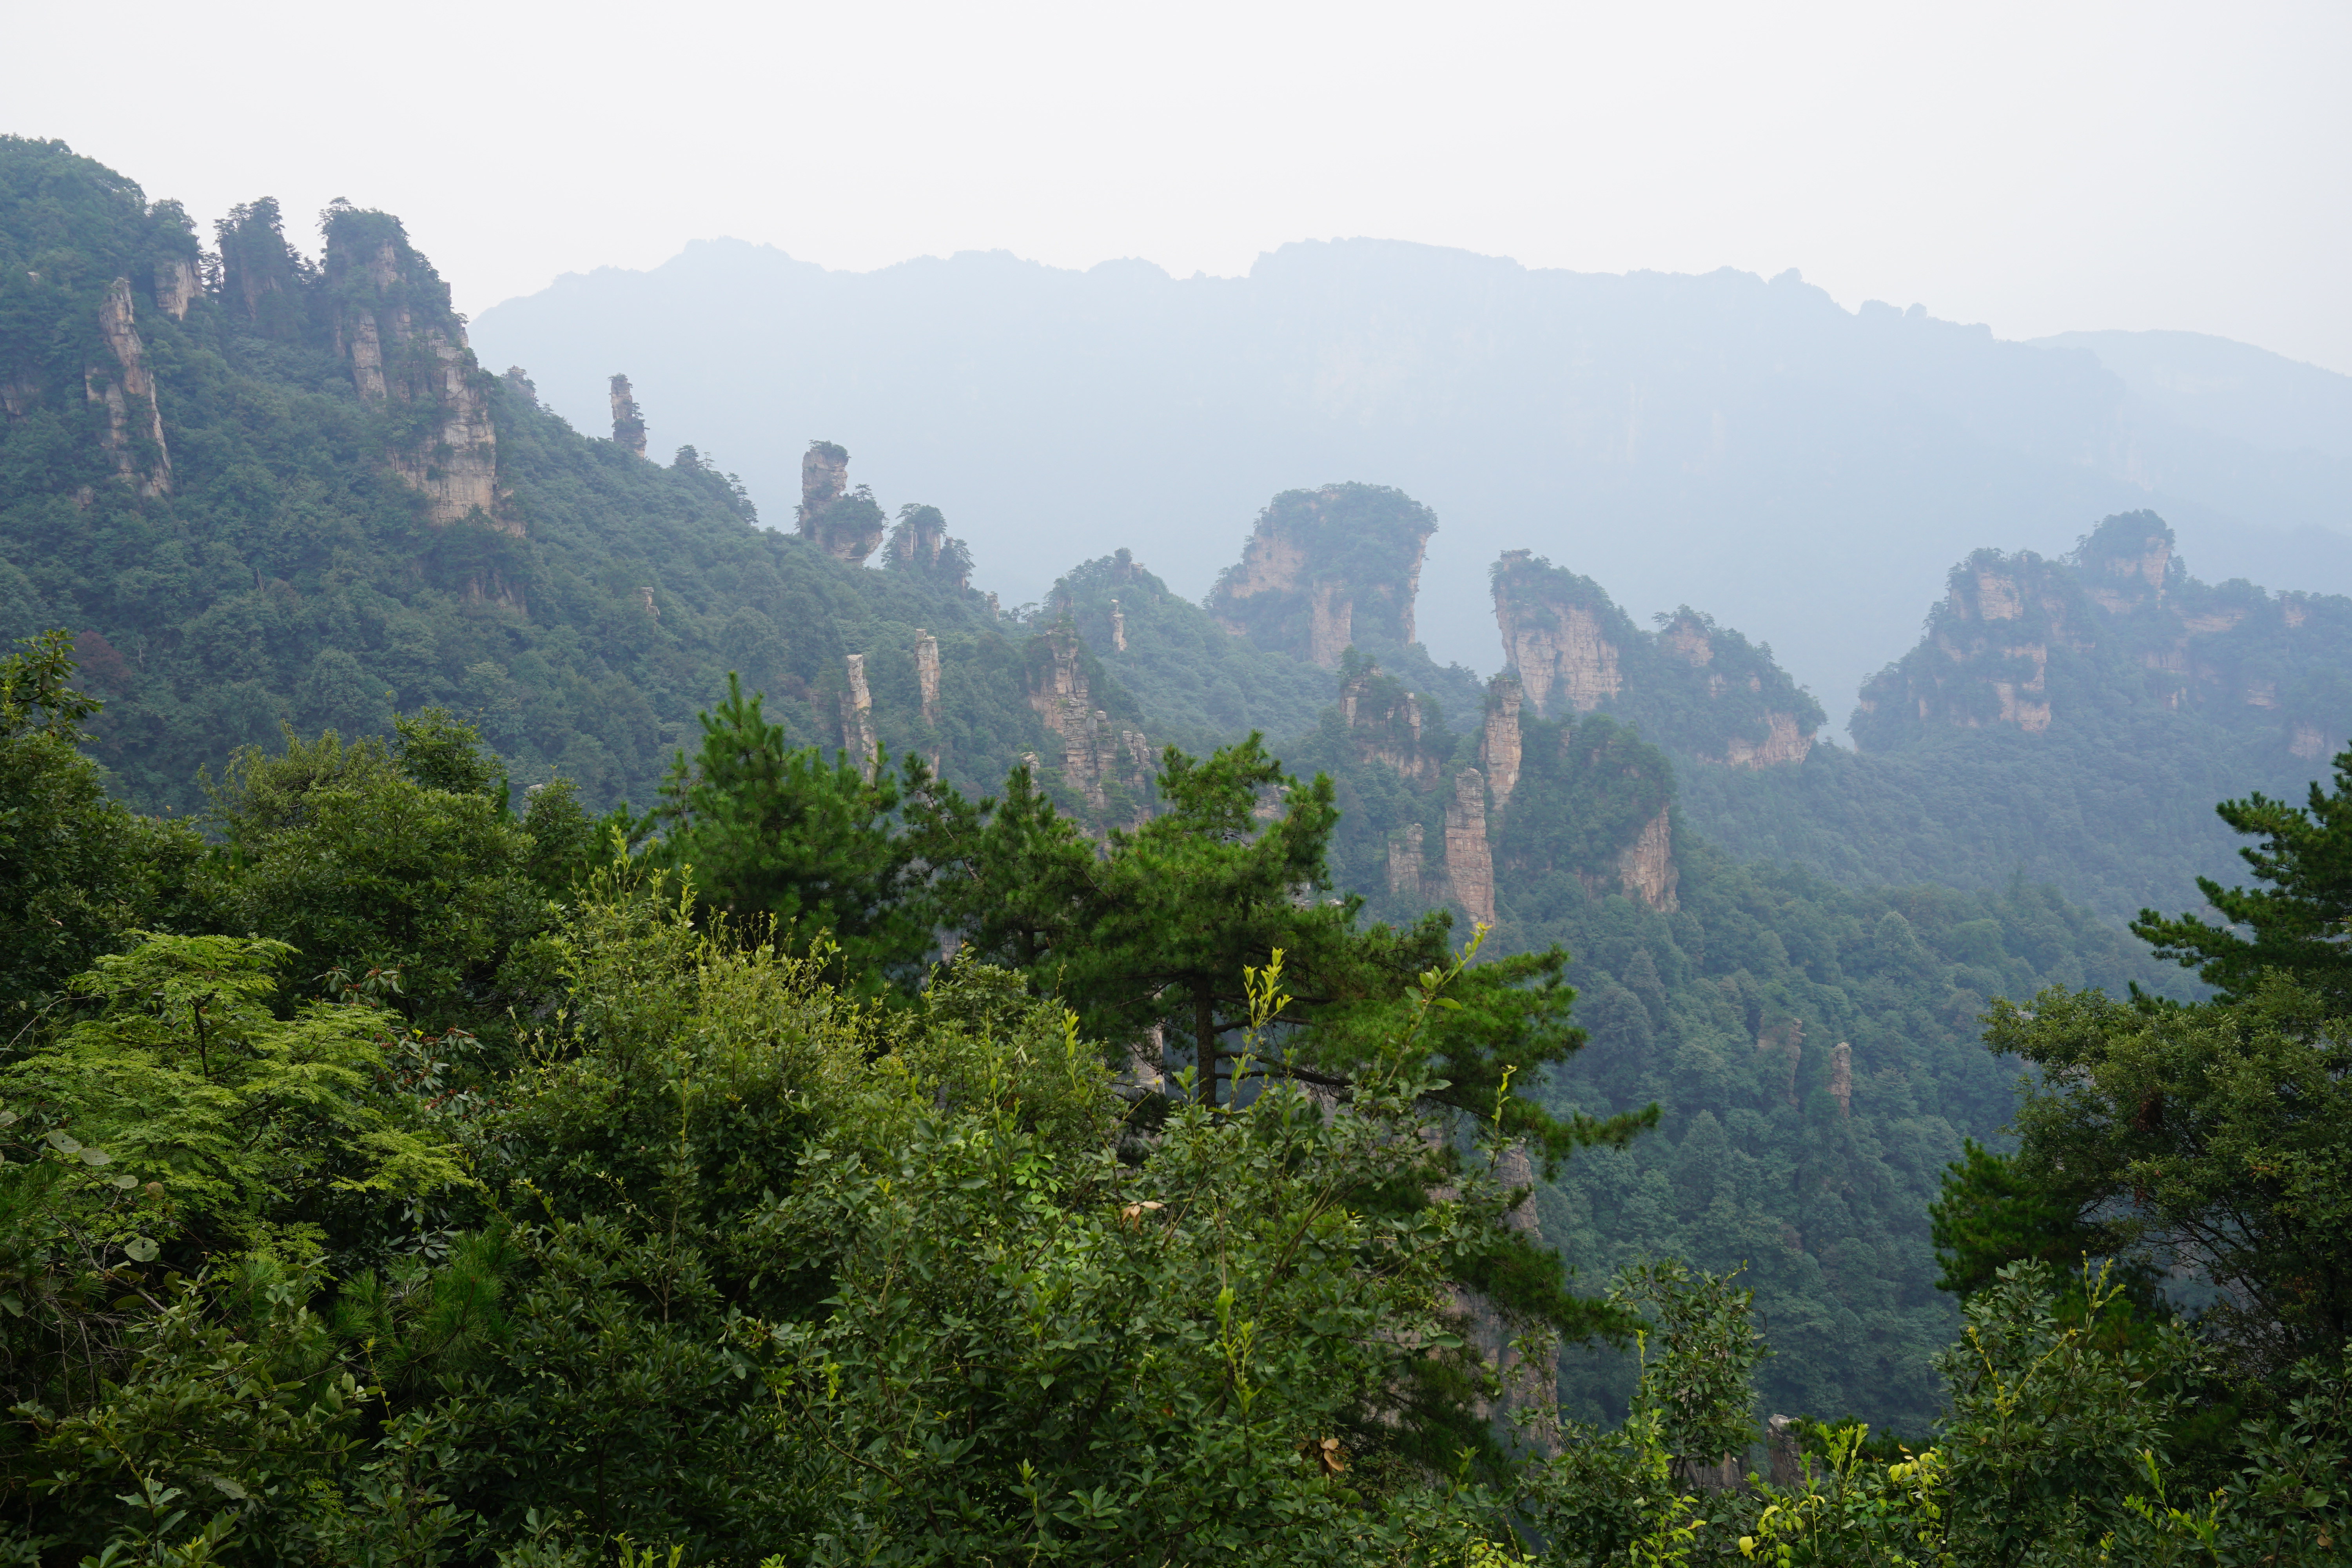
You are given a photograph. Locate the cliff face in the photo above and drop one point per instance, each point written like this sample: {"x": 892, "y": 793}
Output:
{"x": 1326, "y": 571}
{"x": 1098, "y": 757}
{"x": 2035, "y": 644}
{"x": 1701, "y": 689}
{"x": 134, "y": 424}
{"x": 1561, "y": 635}
{"x": 845, "y": 524}
{"x": 1469, "y": 862}
{"x": 392, "y": 323}
{"x": 1645, "y": 867}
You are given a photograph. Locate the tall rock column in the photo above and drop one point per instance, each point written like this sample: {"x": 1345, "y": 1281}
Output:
{"x": 845, "y": 524}
{"x": 825, "y": 475}
{"x": 628, "y": 421}
{"x": 129, "y": 394}
{"x": 926, "y": 673}
{"x": 858, "y": 736}
{"x": 1469, "y": 863}
{"x": 1499, "y": 749}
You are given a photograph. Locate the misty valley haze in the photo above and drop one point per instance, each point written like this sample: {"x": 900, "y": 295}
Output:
{"x": 1744, "y": 447}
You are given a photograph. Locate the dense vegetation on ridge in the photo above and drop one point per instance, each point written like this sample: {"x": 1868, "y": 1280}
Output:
{"x": 942, "y": 1121}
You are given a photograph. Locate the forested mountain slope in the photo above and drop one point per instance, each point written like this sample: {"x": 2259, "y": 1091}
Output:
{"x": 266, "y": 491}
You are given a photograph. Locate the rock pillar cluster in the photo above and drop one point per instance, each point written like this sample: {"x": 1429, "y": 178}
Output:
{"x": 1096, "y": 754}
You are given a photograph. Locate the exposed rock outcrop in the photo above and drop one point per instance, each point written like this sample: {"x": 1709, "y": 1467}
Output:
{"x": 845, "y": 524}
{"x": 1645, "y": 867}
{"x": 178, "y": 281}
{"x": 393, "y": 324}
{"x": 628, "y": 421}
{"x": 134, "y": 424}
{"x": 824, "y": 477}
{"x": 1384, "y": 720}
{"x": 1326, "y": 570}
{"x": 1469, "y": 863}
{"x": 1117, "y": 627}
{"x": 857, "y": 736}
{"x": 1784, "y": 742}
{"x": 1097, "y": 756}
{"x": 1842, "y": 1076}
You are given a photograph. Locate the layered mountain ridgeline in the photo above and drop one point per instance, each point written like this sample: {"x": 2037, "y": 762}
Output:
{"x": 2066, "y": 721}
{"x": 1800, "y": 468}
{"x": 263, "y": 490}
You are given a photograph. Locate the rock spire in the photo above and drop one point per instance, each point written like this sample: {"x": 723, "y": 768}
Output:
{"x": 628, "y": 421}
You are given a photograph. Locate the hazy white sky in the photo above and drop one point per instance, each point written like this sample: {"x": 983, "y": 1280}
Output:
{"x": 2039, "y": 167}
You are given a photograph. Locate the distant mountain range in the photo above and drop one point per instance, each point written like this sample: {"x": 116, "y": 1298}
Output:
{"x": 1745, "y": 447}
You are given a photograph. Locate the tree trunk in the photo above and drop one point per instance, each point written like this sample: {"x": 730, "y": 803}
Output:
{"x": 1205, "y": 1035}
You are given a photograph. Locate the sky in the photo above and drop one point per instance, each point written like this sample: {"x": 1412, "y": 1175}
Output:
{"x": 2036, "y": 167}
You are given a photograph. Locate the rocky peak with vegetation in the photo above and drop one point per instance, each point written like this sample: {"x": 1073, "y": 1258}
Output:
{"x": 1701, "y": 690}
{"x": 2038, "y": 645}
{"x": 1327, "y": 570}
